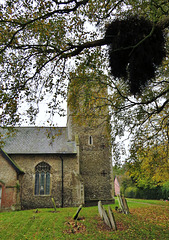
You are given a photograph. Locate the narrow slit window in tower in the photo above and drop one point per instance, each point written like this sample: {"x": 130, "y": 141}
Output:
{"x": 90, "y": 140}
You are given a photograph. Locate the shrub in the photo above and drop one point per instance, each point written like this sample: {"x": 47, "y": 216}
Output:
{"x": 131, "y": 192}
{"x": 151, "y": 192}
{"x": 165, "y": 190}
{"x": 145, "y": 193}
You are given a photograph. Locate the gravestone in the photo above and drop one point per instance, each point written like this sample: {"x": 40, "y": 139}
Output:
{"x": 100, "y": 208}
{"x": 108, "y": 218}
{"x": 125, "y": 205}
{"x": 54, "y": 205}
{"x": 121, "y": 203}
{"x": 111, "y": 218}
{"x": 75, "y": 216}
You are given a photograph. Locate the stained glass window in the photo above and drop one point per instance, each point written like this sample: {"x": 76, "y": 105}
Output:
{"x": 42, "y": 179}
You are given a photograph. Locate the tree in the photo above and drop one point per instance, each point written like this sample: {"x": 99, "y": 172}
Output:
{"x": 42, "y": 42}
{"x": 145, "y": 118}
{"x": 151, "y": 167}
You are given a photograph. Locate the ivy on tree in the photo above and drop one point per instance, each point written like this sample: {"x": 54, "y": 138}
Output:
{"x": 137, "y": 48}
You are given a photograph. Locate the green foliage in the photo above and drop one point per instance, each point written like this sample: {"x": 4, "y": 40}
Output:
{"x": 144, "y": 193}
{"x": 44, "y": 44}
{"x": 131, "y": 192}
{"x": 135, "y": 186}
{"x": 119, "y": 169}
{"x": 18, "y": 186}
{"x": 37, "y": 39}
{"x": 165, "y": 190}
{"x": 126, "y": 182}
{"x": 151, "y": 167}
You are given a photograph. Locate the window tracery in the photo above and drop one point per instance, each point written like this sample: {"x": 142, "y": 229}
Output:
{"x": 42, "y": 179}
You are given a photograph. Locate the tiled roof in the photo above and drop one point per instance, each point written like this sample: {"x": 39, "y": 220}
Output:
{"x": 39, "y": 140}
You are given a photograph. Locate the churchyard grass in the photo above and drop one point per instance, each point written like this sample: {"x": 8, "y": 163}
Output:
{"x": 148, "y": 219}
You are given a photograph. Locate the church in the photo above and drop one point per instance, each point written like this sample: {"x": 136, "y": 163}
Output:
{"x": 71, "y": 164}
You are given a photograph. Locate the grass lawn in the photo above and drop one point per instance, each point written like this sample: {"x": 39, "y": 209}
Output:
{"x": 147, "y": 220}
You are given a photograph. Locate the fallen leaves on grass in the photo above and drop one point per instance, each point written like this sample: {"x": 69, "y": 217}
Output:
{"x": 103, "y": 227}
{"x": 75, "y": 226}
{"x": 154, "y": 214}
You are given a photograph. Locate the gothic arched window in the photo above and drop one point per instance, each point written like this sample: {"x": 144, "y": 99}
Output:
{"x": 42, "y": 179}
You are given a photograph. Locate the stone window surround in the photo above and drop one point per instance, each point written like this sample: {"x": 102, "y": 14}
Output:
{"x": 90, "y": 140}
{"x": 34, "y": 178}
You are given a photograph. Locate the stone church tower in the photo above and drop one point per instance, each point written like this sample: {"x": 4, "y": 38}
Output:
{"x": 70, "y": 164}
{"x": 88, "y": 124}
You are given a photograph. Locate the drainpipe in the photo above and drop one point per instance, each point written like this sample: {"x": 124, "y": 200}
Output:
{"x": 62, "y": 181}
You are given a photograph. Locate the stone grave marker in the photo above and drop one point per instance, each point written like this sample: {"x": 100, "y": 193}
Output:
{"x": 106, "y": 218}
{"x": 100, "y": 209}
{"x": 111, "y": 218}
{"x": 54, "y": 205}
{"x": 125, "y": 205}
{"x": 120, "y": 203}
{"x": 75, "y": 216}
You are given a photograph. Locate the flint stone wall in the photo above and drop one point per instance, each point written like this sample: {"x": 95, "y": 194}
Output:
{"x": 71, "y": 184}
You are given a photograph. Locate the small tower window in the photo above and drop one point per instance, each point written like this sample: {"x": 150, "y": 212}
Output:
{"x": 90, "y": 140}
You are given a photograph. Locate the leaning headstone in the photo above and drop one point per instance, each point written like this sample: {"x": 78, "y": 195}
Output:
{"x": 54, "y": 205}
{"x": 121, "y": 203}
{"x": 106, "y": 218}
{"x": 111, "y": 218}
{"x": 100, "y": 209}
{"x": 75, "y": 216}
{"x": 125, "y": 205}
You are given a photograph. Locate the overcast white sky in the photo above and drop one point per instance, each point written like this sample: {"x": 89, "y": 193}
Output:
{"x": 43, "y": 118}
